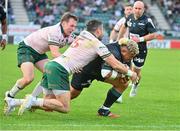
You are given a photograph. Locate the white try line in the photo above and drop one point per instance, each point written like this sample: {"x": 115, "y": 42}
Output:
{"x": 96, "y": 125}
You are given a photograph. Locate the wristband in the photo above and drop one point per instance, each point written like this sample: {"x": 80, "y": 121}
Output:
{"x": 141, "y": 39}
{"x": 4, "y": 36}
{"x": 129, "y": 73}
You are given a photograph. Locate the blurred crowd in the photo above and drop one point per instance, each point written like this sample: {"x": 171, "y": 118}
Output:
{"x": 171, "y": 10}
{"x": 11, "y": 17}
{"x": 48, "y": 12}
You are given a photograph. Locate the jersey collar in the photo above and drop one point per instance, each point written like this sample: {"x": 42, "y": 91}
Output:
{"x": 139, "y": 17}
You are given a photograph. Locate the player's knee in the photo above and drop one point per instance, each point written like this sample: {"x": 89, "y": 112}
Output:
{"x": 66, "y": 110}
{"x": 74, "y": 92}
{"x": 28, "y": 80}
{"x": 67, "y": 107}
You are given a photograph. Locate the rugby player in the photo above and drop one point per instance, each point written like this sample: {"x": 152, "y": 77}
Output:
{"x": 124, "y": 51}
{"x": 141, "y": 29}
{"x": 31, "y": 51}
{"x": 85, "y": 48}
{"x": 115, "y": 31}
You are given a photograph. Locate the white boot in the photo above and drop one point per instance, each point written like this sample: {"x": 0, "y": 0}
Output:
{"x": 133, "y": 91}
{"x": 26, "y": 104}
{"x": 9, "y": 105}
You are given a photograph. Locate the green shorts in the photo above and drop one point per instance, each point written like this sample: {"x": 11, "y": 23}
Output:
{"x": 55, "y": 77}
{"x": 27, "y": 54}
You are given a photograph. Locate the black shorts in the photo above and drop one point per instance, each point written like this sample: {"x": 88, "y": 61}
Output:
{"x": 140, "y": 58}
{"x": 89, "y": 73}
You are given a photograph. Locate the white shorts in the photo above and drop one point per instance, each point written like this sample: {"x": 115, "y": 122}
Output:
{"x": 55, "y": 92}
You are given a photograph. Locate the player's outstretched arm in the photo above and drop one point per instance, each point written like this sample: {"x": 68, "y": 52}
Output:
{"x": 4, "y": 34}
{"x": 117, "y": 65}
{"x": 122, "y": 31}
{"x": 148, "y": 37}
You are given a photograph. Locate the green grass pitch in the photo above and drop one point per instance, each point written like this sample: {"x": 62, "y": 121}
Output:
{"x": 156, "y": 107}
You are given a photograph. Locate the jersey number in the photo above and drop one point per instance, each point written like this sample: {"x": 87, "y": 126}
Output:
{"x": 75, "y": 43}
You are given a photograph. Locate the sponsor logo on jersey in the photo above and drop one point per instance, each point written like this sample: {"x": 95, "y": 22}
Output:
{"x": 129, "y": 23}
{"x": 139, "y": 60}
{"x": 141, "y": 24}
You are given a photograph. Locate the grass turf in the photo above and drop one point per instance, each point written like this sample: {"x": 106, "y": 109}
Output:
{"x": 156, "y": 107}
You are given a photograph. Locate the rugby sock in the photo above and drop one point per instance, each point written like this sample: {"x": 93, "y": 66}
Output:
{"x": 135, "y": 85}
{"x": 17, "y": 102}
{"x": 37, "y": 90}
{"x": 38, "y": 102}
{"x": 112, "y": 96}
{"x": 16, "y": 88}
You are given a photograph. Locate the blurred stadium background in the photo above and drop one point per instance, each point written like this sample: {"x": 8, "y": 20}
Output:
{"x": 26, "y": 16}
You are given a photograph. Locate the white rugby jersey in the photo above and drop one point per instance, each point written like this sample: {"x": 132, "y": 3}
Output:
{"x": 52, "y": 35}
{"x": 85, "y": 48}
{"x": 119, "y": 24}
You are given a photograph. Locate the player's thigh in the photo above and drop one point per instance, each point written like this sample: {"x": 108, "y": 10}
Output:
{"x": 74, "y": 92}
{"x": 81, "y": 80}
{"x": 57, "y": 77}
{"x": 63, "y": 96}
{"x": 40, "y": 64}
{"x": 27, "y": 69}
{"x": 48, "y": 94}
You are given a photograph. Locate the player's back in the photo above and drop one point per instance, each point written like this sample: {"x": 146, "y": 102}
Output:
{"x": 84, "y": 49}
{"x": 38, "y": 40}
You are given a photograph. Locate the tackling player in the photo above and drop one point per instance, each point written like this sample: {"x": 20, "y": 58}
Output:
{"x": 31, "y": 51}
{"x": 141, "y": 29}
{"x": 86, "y": 47}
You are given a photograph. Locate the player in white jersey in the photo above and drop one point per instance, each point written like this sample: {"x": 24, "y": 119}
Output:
{"x": 86, "y": 47}
{"x": 114, "y": 33}
{"x": 31, "y": 51}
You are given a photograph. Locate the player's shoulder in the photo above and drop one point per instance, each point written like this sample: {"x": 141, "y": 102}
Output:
{"x": 121, "y": 20}
{"x": 131, "y": 16}
{"x": 115, "y": 49}
{"x": 113, "y": 45}
{"x": 145, "y": 18}
{"x": 89, "y": 36}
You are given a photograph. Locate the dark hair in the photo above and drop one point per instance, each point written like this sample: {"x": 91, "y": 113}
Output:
{"x": 92, "y": 25}
{"x": 66, "y": 16}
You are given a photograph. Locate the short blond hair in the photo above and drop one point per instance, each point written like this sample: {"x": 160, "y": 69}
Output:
{"x": 131, "y": 45}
